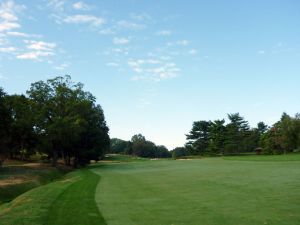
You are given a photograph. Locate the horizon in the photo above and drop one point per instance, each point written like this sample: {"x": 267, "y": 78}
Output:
{"x": 155, "y": 68}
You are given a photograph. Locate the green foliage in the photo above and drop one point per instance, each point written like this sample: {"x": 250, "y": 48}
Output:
{"x": 199, "y": 136}
{"x": 179, "y": 152}
{"x": 58, "y": 118}
{"x": 139, "y": 146}
{"x": 68, "y": 201}
{"x": 283, "y": 136}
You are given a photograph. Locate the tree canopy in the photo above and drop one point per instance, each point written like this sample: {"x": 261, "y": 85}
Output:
{"x": 56, "y": 118}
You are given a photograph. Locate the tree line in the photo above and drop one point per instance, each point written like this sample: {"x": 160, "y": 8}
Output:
{"x": 139, "y": 146}
{"x": 220, "y": 138}
{"x": 235, "y": 137}
{"x": 56, "y": 119}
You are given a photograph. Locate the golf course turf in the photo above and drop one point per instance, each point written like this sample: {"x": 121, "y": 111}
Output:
{"x": 209, "y": 191}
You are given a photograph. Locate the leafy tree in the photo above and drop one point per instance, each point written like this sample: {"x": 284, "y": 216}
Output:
{"x": 118, "y": 146}
{"x": 198, "y": 137}
{"x": 179, "y": 152}
{"x": 217, "y": 137}
{"x": 162, "y": 152}
{"x": 68, "y": 121}
{"x": 262, "y": 128}
{"x": 22, "y": 135}
{"x": 236, "y": 131}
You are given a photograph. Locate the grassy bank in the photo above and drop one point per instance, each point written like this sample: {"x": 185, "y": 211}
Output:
{"x": 68, "y": 201}
{"x": 17, "y": 178}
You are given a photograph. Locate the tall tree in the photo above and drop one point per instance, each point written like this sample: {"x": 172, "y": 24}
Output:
{"x": 22, "y": 134}
{"x": 217, "y": 131}
{"x": 68, "y": 121}
{"x": 198, "y": 137}
{"x": 236, "y": 132}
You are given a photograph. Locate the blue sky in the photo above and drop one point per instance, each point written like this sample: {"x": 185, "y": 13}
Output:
{"x": 157, "y": 66}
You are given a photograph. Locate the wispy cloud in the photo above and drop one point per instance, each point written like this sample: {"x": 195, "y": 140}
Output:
{"x": 56, "y": 5}
{"x": 21, "y": 34}
{"x": 130, "y": 25}
{"x": 152, "y": 69}
{"x": 261, "y": 52}
{"x": 120, "y": 41}
{"x": 183, "y": 42}
{"x": 6, "y": 25}
{"x": 8, "y": 15}
{"x": 192, "y": 51}
{"x": 81, "y": 6}
{"x": 140, "y": 16}
{"x": 164, "y": 33}
{"x": 38, "y": 50}
{"x": 85, "y": 19}
{"x": 35, "y": 55}
{"x": 40, "y": 45}
{"x": 8, "y": 49}
{"x": 62, "y": 66}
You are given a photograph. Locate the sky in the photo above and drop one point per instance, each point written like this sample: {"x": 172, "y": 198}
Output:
{"x": 157, "y": 66}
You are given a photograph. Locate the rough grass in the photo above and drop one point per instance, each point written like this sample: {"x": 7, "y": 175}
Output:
{"x": 19, "y": 178}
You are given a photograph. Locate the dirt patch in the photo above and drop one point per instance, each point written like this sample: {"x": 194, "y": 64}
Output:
{"x": 16, "y": 181}
{"x": 38, "y": 165}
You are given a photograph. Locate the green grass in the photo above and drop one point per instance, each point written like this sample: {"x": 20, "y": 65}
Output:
{"x": 210, "y": 191}
{"x": 123, "y": 158}
{"x": 266, "y": 158}
{"x": 69, "y": 201}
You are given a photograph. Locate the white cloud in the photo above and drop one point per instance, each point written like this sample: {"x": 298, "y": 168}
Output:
{"x": 8, "y": 15}
{"x": 38, "y": 50}
{"x": 85, "y": 19}
{"x": 6, "y": 25}
{"x": 56, "y": 5}
{"x": 153, "y": 69}
{"x": 261, "y": 52}
{"x": 120, "y": 41}
{"x": 81, "y": 6}
{"x": 130, "y": 25}
{"x": 107, "y": 31}
{"x": 40, "y": 45}
{"x": 20, "y": 34}
{"x": 8, "y": 49}
{"x": 17, "y": 34}
{"x": 183, "y": 42}
{"x": 36, "y": 55}
{"x": 140, "y": 17}
{"x": 164, "y": 33}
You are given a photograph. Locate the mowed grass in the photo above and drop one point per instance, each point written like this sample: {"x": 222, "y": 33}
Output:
{"x": 210, "y": 191}
{"x": 68, "y": 201}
